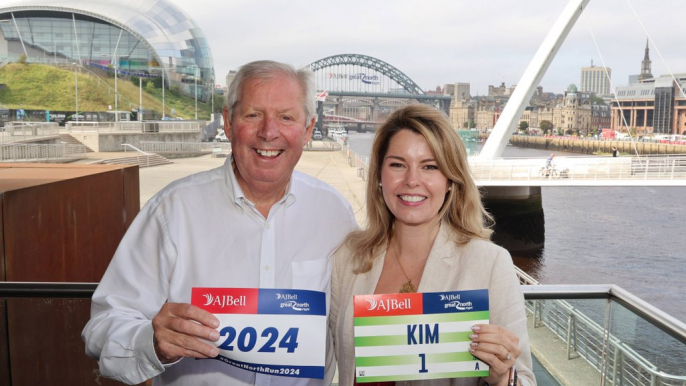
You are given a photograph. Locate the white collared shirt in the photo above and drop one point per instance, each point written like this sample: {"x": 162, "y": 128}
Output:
{"x": 201, "y": 231}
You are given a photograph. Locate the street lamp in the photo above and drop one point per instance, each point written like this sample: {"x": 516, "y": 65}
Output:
{"x": 76, "y": 92}
{"x": 116, "y": 94}
{"x": 140, "y": 99}
{"x": 212, "y": 89}
{"x": 162, "y": 71}
{"x": 195, "y": 87}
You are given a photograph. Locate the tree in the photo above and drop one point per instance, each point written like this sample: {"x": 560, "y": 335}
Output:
{"x": 546, "y": 126}
{"x": 596, "y": 100}
{"x": 219, "y": 102}
{"x": 523, "y": 125}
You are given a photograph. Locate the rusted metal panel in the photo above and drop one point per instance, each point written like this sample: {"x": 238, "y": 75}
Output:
{"x": 4, "y": 349}
{"x": 60, "y": 223}
{"x": 66, "y": 229}
{"x": 4, "y": 336}
{"x": 45, "y": 343}
{"x": 132, "y": 194}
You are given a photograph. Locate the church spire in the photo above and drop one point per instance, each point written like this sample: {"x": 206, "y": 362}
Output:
{"x": 645, "y": 65}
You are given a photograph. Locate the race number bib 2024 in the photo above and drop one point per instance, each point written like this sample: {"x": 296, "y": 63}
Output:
{"x": 416, "y": 336}
{"x": 269, "y": 331}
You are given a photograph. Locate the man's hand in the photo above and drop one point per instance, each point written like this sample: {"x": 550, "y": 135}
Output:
{"x": 176, "y": 329}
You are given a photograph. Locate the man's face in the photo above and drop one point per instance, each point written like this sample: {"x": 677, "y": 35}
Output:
{"x": 268, "y": 132}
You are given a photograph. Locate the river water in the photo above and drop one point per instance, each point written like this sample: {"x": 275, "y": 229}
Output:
{"x": 633, "y": 237}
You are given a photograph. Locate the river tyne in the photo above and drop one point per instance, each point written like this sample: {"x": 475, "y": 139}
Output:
{"x": 633, "y": 237}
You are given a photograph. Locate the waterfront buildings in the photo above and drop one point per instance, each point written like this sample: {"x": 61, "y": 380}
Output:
{"x": 457, "y": 90}
{"x": 651, "y": 106}
{"x": 141, "y": 38}
{"x": 655, "y": 106}
{"x": 596, "y": 80}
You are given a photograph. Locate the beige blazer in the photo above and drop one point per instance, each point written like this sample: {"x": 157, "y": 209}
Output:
{"x": 450, "y": 267}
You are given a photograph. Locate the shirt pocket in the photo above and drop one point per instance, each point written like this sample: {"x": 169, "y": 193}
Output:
{"x": 312, "y": 275}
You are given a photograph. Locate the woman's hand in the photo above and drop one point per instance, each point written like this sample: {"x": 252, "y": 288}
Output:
{"x": 497, "y": 347}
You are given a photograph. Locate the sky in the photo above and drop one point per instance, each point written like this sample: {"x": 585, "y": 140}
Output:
{"x": 434, "y": 42}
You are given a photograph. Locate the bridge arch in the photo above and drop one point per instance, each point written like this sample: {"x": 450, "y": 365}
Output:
{"x": 364, "y": 61}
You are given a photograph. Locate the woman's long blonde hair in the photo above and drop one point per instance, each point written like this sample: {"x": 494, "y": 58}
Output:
{"x": 462, "y": 209}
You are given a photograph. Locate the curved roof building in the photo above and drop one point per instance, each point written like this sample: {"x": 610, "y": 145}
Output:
{"x": 137, "y": 37}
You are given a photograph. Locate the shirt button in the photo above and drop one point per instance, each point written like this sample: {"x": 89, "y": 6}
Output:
{"x": 154, "y": 367}
{"x": 267, "y": 225}
{"x": 266, "y": 268}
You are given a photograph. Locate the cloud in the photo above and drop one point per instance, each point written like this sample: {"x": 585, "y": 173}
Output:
{"x": 436, "y": 42}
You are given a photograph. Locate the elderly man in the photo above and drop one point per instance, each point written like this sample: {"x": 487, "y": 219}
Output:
{"x": 252, "y": 223}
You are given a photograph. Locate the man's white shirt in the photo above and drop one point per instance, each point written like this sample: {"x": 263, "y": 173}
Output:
{"x": 200, "y": 231}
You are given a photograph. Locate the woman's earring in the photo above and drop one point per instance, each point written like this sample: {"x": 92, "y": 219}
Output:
{"x": 380, "y": 184}
{"x": 450, "y": 188}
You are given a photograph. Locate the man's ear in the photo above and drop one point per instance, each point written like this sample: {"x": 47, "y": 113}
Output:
{"x": 227, "y": 122}
{"x": 308, "y": 131}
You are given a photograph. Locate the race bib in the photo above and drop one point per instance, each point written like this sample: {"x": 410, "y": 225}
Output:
{"x": 269, "y": 331}
{"x": 416, "y": 336}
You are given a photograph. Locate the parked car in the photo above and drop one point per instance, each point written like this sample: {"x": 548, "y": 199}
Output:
{"x": 317, "y": 135}
{"x": 221, "y": 137}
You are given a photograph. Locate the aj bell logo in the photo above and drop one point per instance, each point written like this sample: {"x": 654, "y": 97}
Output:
{"x": 388, "y": 304}
{"x": 224, "y": 300}
{"x": 280, "y": 296}
{"x": 449, "y": 297}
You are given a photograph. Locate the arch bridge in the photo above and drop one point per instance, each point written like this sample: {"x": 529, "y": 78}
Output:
{"x": 367, "y": 89}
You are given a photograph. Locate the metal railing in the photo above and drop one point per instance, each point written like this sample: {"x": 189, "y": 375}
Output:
{"x": 184, "y": 147}
{"x": 22, "y": 152}
{"x": 583, "y": 169}
{"x": 22, "y": 131}
{"x": 322, "y": 145}
{"x": 136, "y": 127}
{"x": 144, "y": 155}
{"x": 354, "y": 159}
{"x": 620, "y": 364}
{"x": 587, "y": 339}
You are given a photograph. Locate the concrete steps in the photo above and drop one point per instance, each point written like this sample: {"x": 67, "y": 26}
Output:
{"x": 70, "y": 140}
{"x": 141, "y": 160}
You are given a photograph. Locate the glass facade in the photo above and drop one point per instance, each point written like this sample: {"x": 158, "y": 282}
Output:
{"x": 137, "y": 38}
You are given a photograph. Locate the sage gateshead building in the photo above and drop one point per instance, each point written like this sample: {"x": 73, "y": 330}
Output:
{"x": 146, "y": 38}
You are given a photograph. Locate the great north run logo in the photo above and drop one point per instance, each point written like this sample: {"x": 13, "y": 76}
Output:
{"x": 292, "y": 303}
{"x": 388, "y": 304}
{"x": 462, "y": 306}
{"x": 361, "y": 76}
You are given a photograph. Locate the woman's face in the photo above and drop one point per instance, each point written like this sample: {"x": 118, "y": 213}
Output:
{"x": 412, "y": 186}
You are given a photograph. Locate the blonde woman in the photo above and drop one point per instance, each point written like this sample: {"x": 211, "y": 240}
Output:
{"x": 427, "y": 231}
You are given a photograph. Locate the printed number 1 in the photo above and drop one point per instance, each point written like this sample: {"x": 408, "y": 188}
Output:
{"x": 423, "y": 369}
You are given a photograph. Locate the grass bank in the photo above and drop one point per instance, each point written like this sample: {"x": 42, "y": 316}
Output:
{"x": 43, "y": 87}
